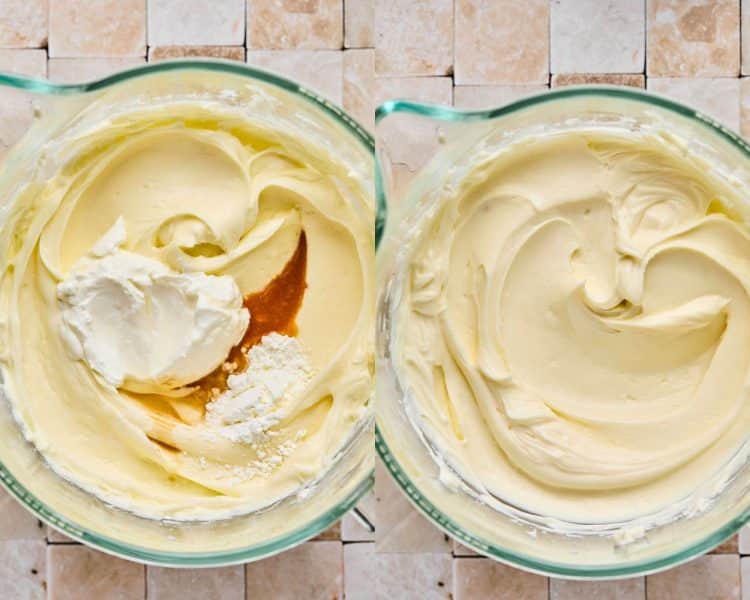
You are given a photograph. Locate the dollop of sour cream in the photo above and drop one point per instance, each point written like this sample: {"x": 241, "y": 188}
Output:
{"x": 142, "y": 326}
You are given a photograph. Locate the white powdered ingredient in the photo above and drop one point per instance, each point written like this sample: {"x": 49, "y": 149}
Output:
{"x": 254, "y": 401}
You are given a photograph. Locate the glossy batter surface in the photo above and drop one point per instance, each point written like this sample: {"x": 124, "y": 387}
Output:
{"x": 574, "y": 326}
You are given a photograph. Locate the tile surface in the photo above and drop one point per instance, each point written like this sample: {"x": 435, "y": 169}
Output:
{"x": 227, "y": 583}
{"x": 502, "y": 41}
{"x": 76, "y": 572}
{"x": 97, "y": 28}
{"x": 359, "y": 571}
{"x": 413, "y": 38}
{"x": 17, "y": 523}
{"x": 623, "y": 589}
{"x": 489, "y": 96}
{"x": 485, "y": 578}
{"x": 312, "y": 570}
{"x": 311, "y": 24}
{"x": 220, "y": 22}
{"x": 693, "y": 38}
{"x": 630, "y": 79}
{"x": 23, "y": 23}
{"x": 351, "y": 528}
{"x": 320, "y": 70}
{"x": 23, "y": 570}
{"x": 590, "y": 36}
{"x": 717, "y": 97}
{"x": 359, "y": 17}
{"x": 406, "y": 576}
{"x": 78, "y": 70}
{"x": 713, "y": 577}
{"x": 359, "y": 86}
{"x": 225, "y": 52}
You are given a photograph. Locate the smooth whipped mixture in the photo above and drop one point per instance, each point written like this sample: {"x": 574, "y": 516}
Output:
{"x": 186, "y": 310}
{"x": 573, "y": 327}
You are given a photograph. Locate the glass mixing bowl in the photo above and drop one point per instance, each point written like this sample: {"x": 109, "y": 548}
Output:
{"x": 422, "y": 148}
{"x": 60, "y": 111}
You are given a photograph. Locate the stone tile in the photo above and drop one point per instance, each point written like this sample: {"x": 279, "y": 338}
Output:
{"x": 352, "y": 530}
{"x": 399, "y": 528}
{"x": 744, "y": 535}
{"x": 460, "y": 550}
{"x": 333, "y": 533}
{"x": 227, "y": 583}
{"x": 17, "y": 523}
{"x": 359, "y": 571}
{"x": 590, "y": 36}
{"x": 97, "y": 28}
{"x": 711, "y": 577}
{"x": 478, "y": 97}
{"x": 622, "y": 589}
{"x": 76, "y": 572}
{"x": 319, "y": 70}
{"x": 745, "y": 130}
{"x": 413, "y": 38}
{"x": 284, "y": 24}
{"x": 423, "y": 576}
{"x": 359, "y": 86}
{"x": 311, "y": 570}
{"x": 730, "y": 546}
{"x": 359, "y": 17}
{"x": 745, "y": 577}
{"x": 437, "y": 90}
{"x": 636, "y": 80}
{"x": 195, "y": 22}
{"x": 718, "y": 97}
{"x": 17, "y": 106}
{"x": 23, "y": 23}
{"x": 78, "y": 70}
{"x": 226, "y": 52}
{"x": 502, "y": 41}
{"x": 55, "y": 537}
{"x": 689, "y": 39}
{"x": 485, "y": 578}
{"x": 23, "y": 570}
{"x": 745, "y": 33}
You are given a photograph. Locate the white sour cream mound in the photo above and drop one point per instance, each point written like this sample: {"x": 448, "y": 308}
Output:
{"x": 574, "y": 329}
{"x": 143, "y": 326}
{"x": 123, "y": 277}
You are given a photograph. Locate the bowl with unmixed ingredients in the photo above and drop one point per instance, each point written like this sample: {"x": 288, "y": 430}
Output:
{"x": 561, "y": 327}
{"x": 187, "y": 256}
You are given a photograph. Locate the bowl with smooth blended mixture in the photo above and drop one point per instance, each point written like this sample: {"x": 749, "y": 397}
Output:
{"x": 564, "y": 304}
{"x": 187, "y": 309}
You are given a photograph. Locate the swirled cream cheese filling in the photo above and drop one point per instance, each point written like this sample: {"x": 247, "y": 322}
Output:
{"x": 573, "y": 328}
{"x": 186, "y": 310}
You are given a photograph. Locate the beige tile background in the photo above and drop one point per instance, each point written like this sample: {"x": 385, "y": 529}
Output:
{"x": 472, "y": 53}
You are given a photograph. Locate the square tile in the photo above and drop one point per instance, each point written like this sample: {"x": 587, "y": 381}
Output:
{"x": 711, "y": 577}
{"x": 745, "y": 577}
{"x": 744, "y": 535}
{"x": 717, "y": 97}
{"x": 399, "y": 528}
{"x": 23, "y": 570}
{"x": 79, "y": 70}
{"x": 359, "y": 87}
{"x": 225, "y": 52}
{"x": 697, "y": 38}
{"x": 97, "y": 28}
{"x": 359, "y": 17}
{"x": 485, "y": 578}
{"x": 76, "y": 572}
{"x": 622, "y": 589}
{"x": 745, "y": 33}
{"x": 479, "y": 97}
{"x": 319, "y": 70}
{"x": 636, "y": 80}
{"x": 17, "y": 523}
{"x": 196, "y": 22}
{"x": 24, "y": 62}
{"x": 502, "y": 42}
{"x": 423, "y": 576}
{"x": 226, "y": 583}
{"x": 283, "y": 24}
{"x": 590, "y": 36}
{"x": 359, "y": 571}
{"x": 413, "y": 38}
{"x": 311, "y": 570}
{"x": 23, "y": 23}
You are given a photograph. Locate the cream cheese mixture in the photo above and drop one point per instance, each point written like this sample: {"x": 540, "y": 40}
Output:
{"x": 186, "y": 312}
{"x": 574, "y": 327}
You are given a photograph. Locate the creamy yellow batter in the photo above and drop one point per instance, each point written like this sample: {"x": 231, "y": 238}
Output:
{"x": 573, "y": 328}
{"x": 198, "y": 192}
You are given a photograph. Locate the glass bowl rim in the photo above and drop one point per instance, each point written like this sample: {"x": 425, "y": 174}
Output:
{"x": 409, "y": 487}
{"x": 101, "y": 542}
